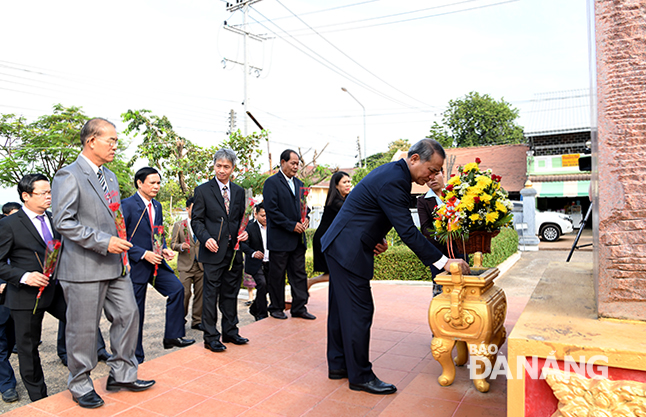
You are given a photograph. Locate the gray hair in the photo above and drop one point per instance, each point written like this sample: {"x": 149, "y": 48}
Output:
{"x": 93, "y": 127}
{"x": 226, "y": 154}
{"x": 426, "y": 148}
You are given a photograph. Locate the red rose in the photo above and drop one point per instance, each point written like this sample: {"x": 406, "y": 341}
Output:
{"x": 452, "y": 175}
{"x": 478, "y": 160}
{"x": 57, "y": 244}
{"x": 114, "y": 206}
{"x": 449, "y": 187}
{"x": 476, "y": 200}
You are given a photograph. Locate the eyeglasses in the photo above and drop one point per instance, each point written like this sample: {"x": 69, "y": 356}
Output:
{"x": 111, "y": 141}
{"x": 42, "y": 194}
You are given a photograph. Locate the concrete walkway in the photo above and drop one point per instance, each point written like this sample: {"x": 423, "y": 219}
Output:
{"x": 283, "y": 372}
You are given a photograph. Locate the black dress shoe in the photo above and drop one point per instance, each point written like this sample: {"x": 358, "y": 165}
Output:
{"x": 102, "y": 355}
{"x": 279, "y": 315}
{"x": 236, "y": 340}
{"x": 64, "y": 360}
{"x": 177, "y": 342}
{"x": 376, "y": 386}
{"x": 10, "y": 396}
{"x": 337, "y": 373}
{"x": 89, "y": 400}
{"x": 198, "y": 326}
{"x": 305, "y": 315}
{"x": 138, "y": 385}
{"x": 215, "y": 346}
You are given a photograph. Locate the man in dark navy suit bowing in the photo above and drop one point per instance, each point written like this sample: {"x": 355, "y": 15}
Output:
{"x": 286, "y": 238}
{"x": 217, "y": 212}
{"x": 141, "y": 212}
{"x": 380, "y": 201}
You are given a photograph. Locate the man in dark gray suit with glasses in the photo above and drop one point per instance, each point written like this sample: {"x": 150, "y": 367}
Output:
{"x": 91, "y": 267}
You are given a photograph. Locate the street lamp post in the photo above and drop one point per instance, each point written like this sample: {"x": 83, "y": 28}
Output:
{"x": 365, "y": 150}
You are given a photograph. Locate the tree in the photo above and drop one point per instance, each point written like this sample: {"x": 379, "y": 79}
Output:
{"x": 379, "y": 159}
{"x": 173, "y": 155}
{"x": 311, "y": 173}
{"x": 47, "y": 145}
{"x": 247, "y": 172}
{"x": 477, "y": 120}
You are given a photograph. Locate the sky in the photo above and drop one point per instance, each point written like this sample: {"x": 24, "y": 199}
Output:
{"x": 401, "y": 61}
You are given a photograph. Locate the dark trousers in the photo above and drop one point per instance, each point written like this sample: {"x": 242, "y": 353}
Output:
{"x": 168, "y": 285}
{"x": 350, "y": 313}
{"x": 7, "y": 342}
{"x": 259, "y": 307}
{"x": 294, "y": 264}
{"x": 29, "y": 327}
{"x": 220, "y": 290}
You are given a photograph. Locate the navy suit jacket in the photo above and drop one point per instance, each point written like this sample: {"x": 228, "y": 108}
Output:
{"x": 283, "y": 212}
{"x": 142, "y": 239}
{"x": 19, "y": 244}
{"x": 379, "y": 202}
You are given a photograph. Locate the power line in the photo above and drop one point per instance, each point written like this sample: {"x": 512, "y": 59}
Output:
{"x": 410, "y": 19}
{"x": 349, "y": 57}
{"x": 325, "y": 62}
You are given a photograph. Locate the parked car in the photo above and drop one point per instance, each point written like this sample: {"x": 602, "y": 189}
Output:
{"x": 549, "y": 224}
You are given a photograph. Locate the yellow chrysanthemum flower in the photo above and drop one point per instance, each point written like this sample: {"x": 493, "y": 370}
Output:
{"x": 471, "y": 166}
{"x": 466, "y": 202}
{"x": 455, "y": 180}
{"x": 492, "y": 216}
{"x": 474, "y": 217}
{"x": 438, "y": 224}
{"x": 501, "y": 207}
{"x": 485, "y": 198}
{"x": 483, "y": 180}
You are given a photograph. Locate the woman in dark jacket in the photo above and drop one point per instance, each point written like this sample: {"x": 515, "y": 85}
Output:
{"x": 340, "y": 186}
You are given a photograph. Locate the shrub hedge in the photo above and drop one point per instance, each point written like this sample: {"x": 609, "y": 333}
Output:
{"x": 400, "y": 263}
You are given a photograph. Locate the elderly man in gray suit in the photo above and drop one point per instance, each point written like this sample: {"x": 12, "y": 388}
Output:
{"x": 91, "y": 269}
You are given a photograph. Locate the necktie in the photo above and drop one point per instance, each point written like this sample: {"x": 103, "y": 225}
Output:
{"x": 47, "y": 235}
{"x": 150, "y": 214}
{"x": 225, "y": 195}
{"x": 291, "y": 185}
{"x": 99, "y": 174}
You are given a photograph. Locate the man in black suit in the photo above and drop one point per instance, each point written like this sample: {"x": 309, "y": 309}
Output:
{"x": 286, "y": 238}
{"x": 217, "y": 213}
{"x": 257, "y": 261}
{"x": 379, "y": 202}
{"x": 23, "y": 240}
{"x": 7, "y": 332}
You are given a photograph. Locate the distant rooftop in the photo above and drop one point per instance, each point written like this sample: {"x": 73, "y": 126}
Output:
{"x": 557, "y": 112}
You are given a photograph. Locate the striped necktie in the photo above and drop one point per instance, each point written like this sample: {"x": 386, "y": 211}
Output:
{"x": 99, "y": 174}
{"x": 225, "y": 195}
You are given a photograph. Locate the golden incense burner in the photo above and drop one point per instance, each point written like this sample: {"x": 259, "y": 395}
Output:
{"x": 470, "y": 313}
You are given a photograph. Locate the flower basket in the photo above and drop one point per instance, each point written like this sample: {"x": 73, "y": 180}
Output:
{"x": 479, "y": 241}
{"x": 475, "y": 208}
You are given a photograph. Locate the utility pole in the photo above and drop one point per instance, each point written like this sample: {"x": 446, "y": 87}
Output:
{"x": 232, "y": 7}
{"x": 232, "y": 122}
{"x": 359, "y": 150}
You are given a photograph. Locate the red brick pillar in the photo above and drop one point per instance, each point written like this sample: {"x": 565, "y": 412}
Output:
{"x": 620, "y": 244}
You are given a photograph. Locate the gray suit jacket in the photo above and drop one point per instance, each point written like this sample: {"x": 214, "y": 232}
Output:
{"x": 83, "y": 218}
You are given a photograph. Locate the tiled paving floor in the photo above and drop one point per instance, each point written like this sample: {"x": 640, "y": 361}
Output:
{"x": 283, "y": 372}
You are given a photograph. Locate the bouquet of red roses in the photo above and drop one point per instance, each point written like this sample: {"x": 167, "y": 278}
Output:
{"x": 119, "y": 222}
{"x": 158, "y": 245}
{"x": 243, "y": 225}
{"x": 305, "y": 191}
{"x": 51, "y": 259}
{"x": 187, "y": 240}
